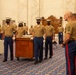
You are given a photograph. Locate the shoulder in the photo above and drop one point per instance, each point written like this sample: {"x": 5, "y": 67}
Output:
{"x": 46, "y": 25}
{"x": 69, "y": 23}
{"x": 51, "y": 26}
{"x": 22, "y": 28}
{"x": 4, "y": 26}
{"x": 42, "y": 25}
{"x": 35, "y": 26}
{"x": 11, "y": 25}
{"x": 69, "y": 28}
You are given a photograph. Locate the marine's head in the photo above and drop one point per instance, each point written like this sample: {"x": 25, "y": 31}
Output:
{"x": 48, "y": 22}
{"x": 38, "y": 20}
{"x": 67, "y": 16}
{"x": 8, "y": 20}
{"x": 24, "y": 24}
{"x": 20, "y": 25}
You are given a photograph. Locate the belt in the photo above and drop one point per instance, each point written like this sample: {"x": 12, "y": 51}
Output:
{"x": 8, "y": 36}
{"x": 48, "y": 36}
{"x": 70, "y": 41}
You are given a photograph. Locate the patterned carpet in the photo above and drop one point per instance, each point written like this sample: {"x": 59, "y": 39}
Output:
{"x": 53, "y": 66}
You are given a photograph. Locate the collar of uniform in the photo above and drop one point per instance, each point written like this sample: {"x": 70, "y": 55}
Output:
{"x": 7, "y": 25}
{"x": 38, "y": 25}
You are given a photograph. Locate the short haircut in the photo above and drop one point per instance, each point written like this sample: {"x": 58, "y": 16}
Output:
{"x": 69, "y": 14}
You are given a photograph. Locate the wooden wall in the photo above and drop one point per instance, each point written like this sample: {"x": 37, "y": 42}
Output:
{"x": 54, "y": 21}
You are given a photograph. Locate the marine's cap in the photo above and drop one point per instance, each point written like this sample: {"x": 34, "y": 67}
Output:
{"x": 48, "y": 20}
{"x": 8, "y": 18}
{"x": 38, "y": 18}
{"x": 20, "y": 22}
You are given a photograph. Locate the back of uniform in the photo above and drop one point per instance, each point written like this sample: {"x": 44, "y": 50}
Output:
{"x": 26, "y": 29}
{"x": 60, "y": 34}
{"x": 60, "y": 29}
{"x": 31, "y": 30}
{"x": 20, "y": 32}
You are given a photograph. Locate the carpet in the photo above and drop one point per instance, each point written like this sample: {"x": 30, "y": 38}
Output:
{"x": 54, "y": 66}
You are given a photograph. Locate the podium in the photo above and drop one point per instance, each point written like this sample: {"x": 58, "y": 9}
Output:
{"x": 24, "y": 48}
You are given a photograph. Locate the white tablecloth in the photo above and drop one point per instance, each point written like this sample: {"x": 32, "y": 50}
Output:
{"x": 1, "y": 46}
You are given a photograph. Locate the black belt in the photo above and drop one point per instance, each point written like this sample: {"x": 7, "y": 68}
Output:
{"x": 70, "y": 41}
{"x": 8, "y": 36}
{"x": 49, "y": 36}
